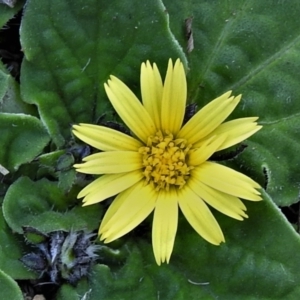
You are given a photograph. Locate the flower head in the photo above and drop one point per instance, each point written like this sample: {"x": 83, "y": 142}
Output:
{"x": 165, "y": 166}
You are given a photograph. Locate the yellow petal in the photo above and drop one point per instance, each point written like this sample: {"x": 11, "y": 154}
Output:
{"x": 109, "y": 185}
{"x": 104, "y": 138}
{"x": 226, "y": 204}
{"x": 152, "y": 89}
{"x": 205, "y": 151}
{"x": 127, "y": 211}
{"x": 235, "y": 131}
{"x": 130, "y": 109}
{"x": 110, "y": 162}
{"x": 227, "y": 180}
{"x": 164, "y": 225}
{"x": 113, "y": 208}
{"x": 208, "y": 118}
{"x": 199, "y": 216}
{"x": 174, "y": 98}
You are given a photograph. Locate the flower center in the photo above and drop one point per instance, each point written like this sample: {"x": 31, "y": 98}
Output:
{"x": 164, "y": 161}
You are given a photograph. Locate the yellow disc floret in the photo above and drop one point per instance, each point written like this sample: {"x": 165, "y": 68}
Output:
{"x": 164, "y": 161}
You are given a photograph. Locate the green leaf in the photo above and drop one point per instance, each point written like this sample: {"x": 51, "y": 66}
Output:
{"x": 65, "y": 67}
{"x": 23, "y": 137}
{"x": 132, "y": 281}
{"x": 251, "y": 48}
{"x": 9, "y": 288}
{"x": 11, "y": 250}
{"x": 46, "y": 207}
{"x": 68, "y": 292}
{"x": 48, "y": 163}
{"x": 10, "y": 99}
{"x": 7, "y": 13}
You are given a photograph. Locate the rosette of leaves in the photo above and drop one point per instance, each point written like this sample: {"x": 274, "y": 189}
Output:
{"x": 69, "y": 51}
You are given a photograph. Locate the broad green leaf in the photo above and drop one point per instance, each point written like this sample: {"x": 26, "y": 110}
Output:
{"x": 256, "y": 262}
{"x": 251, "y": 48}
{"x": 47, "y": 208}
{"x": 68, "y": 59}
{"x": 9, "y": 288}
{"x": 22, "y": 138}
{"x": 11, "y": 250}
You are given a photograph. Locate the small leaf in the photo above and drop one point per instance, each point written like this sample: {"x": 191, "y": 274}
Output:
{"x": 34, "y": 261}
{"x": 48, "y": 163}
{"x": 7, "y": 13}
{"x": 46, "y": 208}
{"x": 65, "y": 162}
{"x": 23, "y": 137}
{"x": 10, "y": 99}
{"x": 67, "y": 179}
{"x": 49, "y": 160}
{"x": 33, "y": 235}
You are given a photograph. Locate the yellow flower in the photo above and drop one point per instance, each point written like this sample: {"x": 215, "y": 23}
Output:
{"x": 165, "y": 165}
